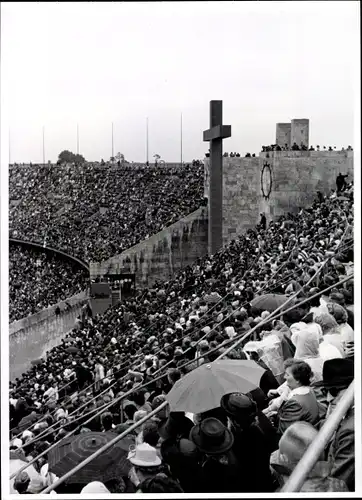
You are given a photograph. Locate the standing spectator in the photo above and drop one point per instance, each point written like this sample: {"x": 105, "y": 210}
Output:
{"x": 263, "y": 221}
{"x": 341, "y": 183}
{"x": 98, "y": 374}
{"x": 220, "y": 470}
{"x": 254, "y": 441}
{"x": 337, "y": 376}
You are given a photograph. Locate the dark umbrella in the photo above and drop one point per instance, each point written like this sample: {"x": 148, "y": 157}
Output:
{"x": 269, "y": 302}
{"x": 72, "y": 350}
{"x": 108, "y": 466}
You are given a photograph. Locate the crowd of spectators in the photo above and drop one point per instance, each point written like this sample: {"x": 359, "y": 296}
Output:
{"x": 248, "y": 442}
{"x": 38, "y": 280}
{"x": 302, "y": 147}
{"x": 96, "y": 211}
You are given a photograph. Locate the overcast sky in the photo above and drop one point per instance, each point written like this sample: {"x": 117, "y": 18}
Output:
{"x": 94, "y": 63}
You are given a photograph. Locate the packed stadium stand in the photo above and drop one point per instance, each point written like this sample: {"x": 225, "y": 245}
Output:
{"x": 216, "y": 381}
{"x": 94, "y": 211}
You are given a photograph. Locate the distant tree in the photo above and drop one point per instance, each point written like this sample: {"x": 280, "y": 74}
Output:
{"x": 112, "y": 159}
{"x": 120, "y": 157}
{"x": 69, "y": 157}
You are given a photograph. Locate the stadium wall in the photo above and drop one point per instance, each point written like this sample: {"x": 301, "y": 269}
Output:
{"x": 30, "y": 338}
{"x": 163, "y": 254}
{"x": 275, "y": 183}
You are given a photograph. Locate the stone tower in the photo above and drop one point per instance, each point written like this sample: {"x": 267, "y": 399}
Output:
{"x": 283, "y": 134}
{"x": 300, "y": 132}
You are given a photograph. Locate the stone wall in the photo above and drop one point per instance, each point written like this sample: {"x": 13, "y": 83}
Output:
{"x": 296, "y": 176}
{"x": 163, "y": 254}
{"x": 30, "y": 338}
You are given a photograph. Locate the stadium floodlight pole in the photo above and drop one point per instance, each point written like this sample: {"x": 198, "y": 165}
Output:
{"x": 43, "y": 147}
{"x": 181, "y": 139}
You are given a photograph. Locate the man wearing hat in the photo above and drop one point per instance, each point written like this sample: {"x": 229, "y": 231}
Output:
{"x": 183, "y": 458}
{"x": 254, "y": 440}
{"x": 337, "y": 376}
{"x": 176, "y": 426}
{"x": 220, "y": 471}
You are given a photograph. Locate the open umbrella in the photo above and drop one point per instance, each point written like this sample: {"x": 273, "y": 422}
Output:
{"x": 109, "y": 465}
{"x": 72, "y": 350}
{"x": 269, "y": 302}
{"x": 202, "y": 389}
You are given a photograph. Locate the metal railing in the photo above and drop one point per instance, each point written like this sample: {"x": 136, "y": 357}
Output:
{"x": 312, "y": 454}
{"x": 159, "y": 408}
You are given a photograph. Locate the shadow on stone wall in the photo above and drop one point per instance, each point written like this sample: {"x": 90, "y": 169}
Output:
{"x": 163, "y": 254}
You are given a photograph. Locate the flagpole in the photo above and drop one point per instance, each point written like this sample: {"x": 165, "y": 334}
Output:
{"x": 9, "y": 149}
{"x": 181, "y": 139}
{"x": 147, "y": 139}
{"x": 77, "y": 139}
{"x": 112, "y": 142}
{"x": 43, "y": 148}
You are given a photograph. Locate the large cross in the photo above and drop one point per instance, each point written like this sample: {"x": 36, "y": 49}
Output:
{"x": 215, "y": 135}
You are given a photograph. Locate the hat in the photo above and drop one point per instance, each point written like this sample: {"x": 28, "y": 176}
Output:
{"x": 338, "y": 373}
{"x": 251, "y": 347}
{"x": 177, "y": 424}
{"x": 212, "y": 437}
{"x": 144, "y": 456}
{"x": 237, "y": 404}
{"x": 95, "y": 487}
